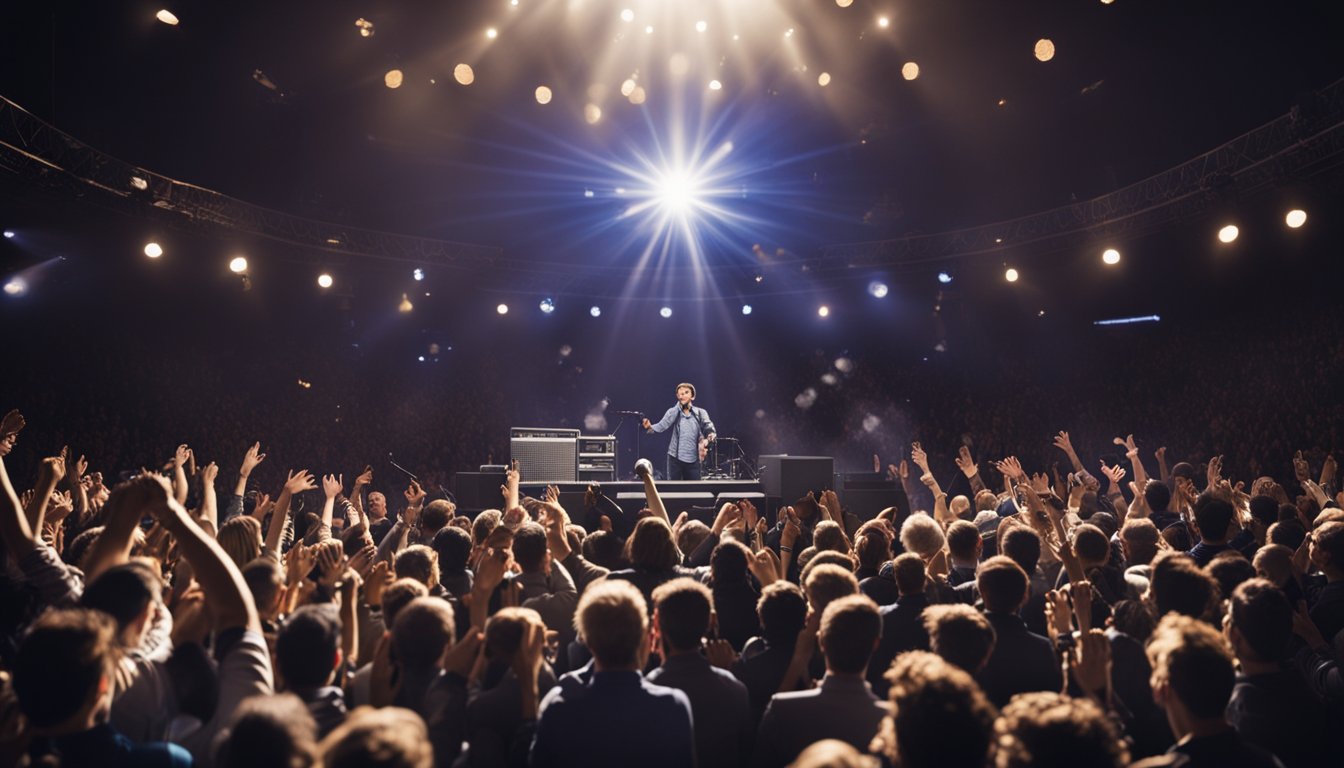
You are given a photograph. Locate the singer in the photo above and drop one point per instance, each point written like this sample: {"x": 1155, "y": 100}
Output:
{"x": 692, "y": 432}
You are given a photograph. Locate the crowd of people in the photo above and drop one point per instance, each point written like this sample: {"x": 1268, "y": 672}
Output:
{"x": 1127, "y": 610}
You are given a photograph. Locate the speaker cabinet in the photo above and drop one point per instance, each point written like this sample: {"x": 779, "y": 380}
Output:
{"x": 789, "y": 477}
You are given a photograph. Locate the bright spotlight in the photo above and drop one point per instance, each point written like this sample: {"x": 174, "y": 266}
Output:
{"x": 676, "y": 192}
{"x": 944, "y": 278}
{"x": 418, "y": 274}
{"x": 238, "y": 265}
{"x": 701, "y": 26}
{"x": 823, "y": 311}
{"x": 746, "y": 309}
{"x": 1045, "y": 49}
{"x": 910, "y": 70}
{"x": 365, "y": 27}
{"x": 153, "y": 250}
{"x": 502, "y": 309}
{"x": 844, "y": 3}
{"x": 1295, "y": 218}
{"x": 883, "y": 22}
{"x": 324, "y": 280}
{"x": 592, "y": 113}
{"x": 464, "y": 74}
{"x": 1110, "y": 256}
{"x": 824, "y": 79}
{"x": 405, "y": 306}
{"x": 877, "y": 289}
{"x": 167, "y": 17}
{"x": 1228, "y": 233}
{"x": 491, "y": 33}
{"x": 627, "y": 15}
{"x": 595, "y": 311}
{"x": 543, "y": 95}
{"x": 715, "y": 85}
{"x": 665, "y": 311}
{"x": 1010, "y": 275}
{"x": 547, "y": 306}
{"x": 16, "y": 286}
{"x": 393, "y": 78}
{"x": 9, "y": 234}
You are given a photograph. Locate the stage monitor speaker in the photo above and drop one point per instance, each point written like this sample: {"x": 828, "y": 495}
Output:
{"x": 476, "y": 491}
{"x": 789, "y": 477}
{"x": 546, "y": 456}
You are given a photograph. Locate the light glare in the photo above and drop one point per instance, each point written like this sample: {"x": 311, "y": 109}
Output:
{"x": 1010, "y": 275}
{"x": 502, "y": 309}
{"x": 1228, "y": 233}
{"x": 393, "y": 78}
{"x": 746, "y": 309}
{"x": 1110, "y": 256}
{"x": 1295, "y": 218}
{"x": 464, "y": 74}
{"x": 824, "y": 79}
{"x": 16, "y": 286}
{"x": 665, "y": 312}
{"x": 418, "y": 274}
{"x": 324, "y": 280}
{"x": 1045, "y": 49}
{"x": 167, "y": 17}
{"x": 877, "y": 289}
{"x": 595, "y": 311}
{"x": 153, "y": 250}
{"x": 883, "y": 22}
{"x": 238, "y": 265}
{"x": 627, "y": 15}
{"x": 592, "y": 113}
{"x": 491, "y": 33}
{"x": 543, "y": 95}
{"x": 823, "y": 311}
{"x": 910, "y": 70}
{"x": 944, "y": 278}
{"x": 547, "y": 306}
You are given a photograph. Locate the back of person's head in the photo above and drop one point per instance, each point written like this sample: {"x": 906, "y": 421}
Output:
{"x": 1274, "y": 562}
{"x": 920, "y": 534}
{"x": 651, "y": 547}
{"x": 939, "y": 716}
{"x": 308, "y": 646}
{"x": 417, "y": 562}
{"x": 827, "y": 583}
{"x": 390, "y": 737}
{"x": 529, "y": 547}
{"x": 910, "y": 574}
{"x": 1023, "y": 546}
{"x": 66, "y": 657}
{"x": 613, "y": 622}
{"x": 1289, "y": 533}
{"x": 828, "y": 535}
{"x": 1213, "y": 516}
{"x": 832, "y": 753}
{"x": 505, "y": 630}
{"x": 728, "y": 563}
{"x": 1091, "y": 545}
{"x": 691, "y": 535}
{"x": 872, "y": 546}
{"x": 960, "y": 507}
{"x": 782, "y": 609}
{"x": 123, "y": 592}
{"x": 78, "y": 547}
{"x": 453, "y": 546}
{"x": 1178, "y": 537}
{"x": 270, "y": 731}
{"x": 1327, "y": 545}
{"x": 1140, "y": 537}
{"x": 960, "y": 634}
{"x": 850, "y": 628}
{"x": 484, "y": 524}
{"x": 1052, "y": 730}
{"x": 1229, "y": 568}
{"x": 1262, "y": 618}
{"x": 605, "y": 549}
{"x": 1264, "y": 510}
{"x": 265, "y": 579}
{"x": 1104, "y": 521}
{"x": 986, "y": 501}
{"x": 1157, "y": 495}
{"x": 1177, "y": 585}
{"x": 397, "y": 595}
{"x": 681, "y": 609}
{"x": 435, "y": 516}
{"x": 1003, "y": 585}
{"x": 1133, "y": 618}
{"x": 963, "y": 540}
{"x": 423, "y": 630}
{"x": 240, "y": 539}
{"x": 1191, "y": 661}
{"x": 811, "y": 557}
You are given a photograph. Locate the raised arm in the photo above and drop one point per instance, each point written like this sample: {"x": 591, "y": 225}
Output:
{"x": 1063, "y": 443}
{"x": 49, "y": 473}
{"x": 298, "y": 482}
{"x": 331, "y": 488}
{"x": 209, "y": 511}
{"x": 970, "y": 469}
{"x": 127, "y": 505}
{"x": 510, "y": 487}
{"x": 180, "y": 458}
{"x": 921, "y": 459}
{"x": 1132, "y": 451}
{"x": 651, "y": 496}
{"x": 1162, "y": 471}
{"x": 362, "y": 481}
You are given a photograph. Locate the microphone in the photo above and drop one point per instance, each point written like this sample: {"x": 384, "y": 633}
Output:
{"x": 402, "y": 469}
{"x": 643, "y": 467}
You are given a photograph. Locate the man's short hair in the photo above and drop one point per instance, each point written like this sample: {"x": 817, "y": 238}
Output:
{"x": 423, "y": 630}
{"x": 960, "y": 507}
{"x": 265, "y": 578}
{"x": 60, "y": 662}
{"x": 691, "y": 535}
{"x": 605, "y": 549}
{"x": 872, "y": 546}
{"x": 389, "y": 737}
{"x": 810, "y": 558}
{"x": 910, "y": 574}
{"x": 1051, "y": 729}
{"x": 307, "y": 645}
{"x": 1289, "y": 533}
{"x": 1023, "y": 546}
{"x": 397, "y": 595}
{"x": 275, "y": 729}
{"x": 920, "y": 534}
{"x": 1265, "y": 509}
{"x": 613, "y": 622}
{"x": 529, "y": 547}
{"x": 453, "y": 546}
{"x": 962, "y": 539}
{"x": 728, "y": 563}
{"x": 1003, "y": 584}
{"x": 1274, "y": 562}
{"x": 1157, "y": 495}
{"x": 505, "y": 630}
{"x": 1193, "y": 661}
{"x": 1178, "y": 585}
{"x": 1263, "y": 617}
{"x": 960, "y": 634}
{"x": 1229, "y": 568}
{"x": 1329, "y": 538}
{"x": 1142, "y": 536}
{"x": 486, "y": 522}
{"x": 436, "y": 515}
{"x": 687, "y": 385}
{"x": 123, "y": 592}
{"x": 1091, "y": 544}
{"x": 682, "y": 608}
{"x": 1213, "y": 516}
{"x": 829, "y": 536}
{"x": 827, "y": 583}
{"x": 940, "y": 717}
{"x": 850, "y": 628}
{"x": 416, "y": 562}
{"x": 782, "y": 610}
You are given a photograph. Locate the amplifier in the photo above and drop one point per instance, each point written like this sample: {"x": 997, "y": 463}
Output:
{"x": 597, "y": 444}
{"x": 571, "y": 434}
{"x": 789, "y": 477}
{"x": 546, "y": 455}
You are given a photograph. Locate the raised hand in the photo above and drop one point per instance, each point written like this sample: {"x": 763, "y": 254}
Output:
{"x": 414, "y": 493}
{"x": 1011, "y": 468}
{"x": 920, "y": 458}
{"x": 720, "y": 653}
{"x": 60, "y": 506}
{"x": 1128, "y": 444}
{"x": 1161, "y": 453}
{"x": 551, "y": 494}
{"x": 331, "y": 562}
{"x": 1328, "y": 470}
{"x": 300, "y": 481}
{"x": 181, "y": 455}
{"x": 379, "y": 579}
{"x": 1214, "y": 472}
{"x": 764, "y": 565}
{"x": 1300, "y": 467}
{"x": 1114, "y": 474}
{"x": 331, "y": 485}
{"x": 209, "y": 472}
{"x": 1091, "y": 663}
{"x": 965, "y": 463}
{"x": 750, "y": 517}
{"x": 1063, "y": 443}
{"x": 251, "y": 459}
{"x": 728, "y": 513}
{"x": 262, "y": 507}
{"x": 299, "y": 562}
{"x": 51, "y": 470}
{"x": 792, "y": 529}
{"x": 1040, "y": 482}
{"x": 365, "y": 477}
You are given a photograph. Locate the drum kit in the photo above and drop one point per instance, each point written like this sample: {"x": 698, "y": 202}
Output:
{"x": 727, "y": 461}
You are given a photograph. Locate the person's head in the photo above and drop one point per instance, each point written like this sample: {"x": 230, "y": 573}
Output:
{"x": 434, "y": 517}
{"x": 1288, "y": 533}
{"x": 1052, "y": 730}
{"x": 850, "y": 629}
{"x": 1022, "y": 545}
{"x": 920, "y": 534}
{"x": 939, "y": 716}
{"x": 377, "y": 506}
{"x": 685, "y": 392}
{"x": 505, "y": 630}
{"x": 417, "y": 562}
{"x": 240, "y": 538}
{"x": 484, "y": 524}
{"x": 1229, "y": 568}
{"x": 1327, "y": 548}
{"x": 1192, "y": 674}
{"x": 390, "y": 737}
{"x": 1139, "y": 540}
{"x": 963, "y": 541}
{"x": 614, "y": 624}
{"x": 1177, "y": 585}
{"x": 308, "y": 647}
{"x": 810, "y": 559}
{"x": 529, "y": 549}
{"x": 986, "y": 501}
{"x": 1213, "y": 516}
{"x": 1003, "y": 585}
{"x": 828, "y": 583}
{"x": 960, "y": 634}
{"x": 728, "y": 563}
{"x": 681, "y": 613}
{"x": 782, "y": 610}
{"x": 398, "y": 595}
{"x": 423, "y": 630}
{"x": 960, "y": 507}
{"x": 78, "y": 547}
{"x": 651, "y": 546}
{"x": 1157, "y": 496}
{"x": 872, "y": 546}
{"x": 1259, "y": 625}
{"x": 829, "y": 536}
{"x": 1177, "y": 536}
{"x": 1104, "y": 521}
{"x": 1264, "y": 511}
{"x": 1133, "y": 618}
{"x": 832, "y": 753}
{"x": 1091, "y": 545}
{"x": 691, "y": 535}
{"x": 128, "y": 593}
{"x": 453, "y": 546}
{"x": 266, "y": 581}
{"x": 1274, "y": 563}
{"x": 269, "y": 730}
{"x": 62, "y": 673}
{"x": 910, "y": 574}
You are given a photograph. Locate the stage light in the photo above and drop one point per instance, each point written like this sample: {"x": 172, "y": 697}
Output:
{"x": 1295, "y": 218}
{"x": 9, "y": 234}
{"x": 665, "y": 311}
{"x": 1110, "y": 256}
{"x": 324, "y": 280}
{"x": 701, "y": 26}
{"x": 405, "y": 306}
{"x": 420, "y": 358}
{"x": 1228, "y": 233}
{"x": 543, "y": 95}
{"x": 1045, "y": 49}
{"x": 1010, "y": 275}
{"x": 16, "y": 286}
{"x": 627, "y": 15}
{"x": 139, "y": 183}
{"x": 491, "y": 33}
{"x": 238, "y": 265}
{"x": 824, "y": 79}
{"x": 595, "y": 311}
{"x": 153, "y": 250}
{"x": 167, "y": 17}
{"x": 637, "y": 96}
{"x": 1129, "y": 320}
{"x": 418, "y": 274}
{"x": 365, "y": 27}
{"x": 648, "y": 30}
{"x": 502, "y": 309}
{"x": 547, "y": 306}
{"x": 910, "y": 70}
{"x": 464, "y": 74}
{"x": 823, "y": 311}
{"x": 592, "y": 113}
{"x": 746, "y": 309}
{"x": 844, "y": 3}
{"x": 944, "y": 278}
{"x": 715, "y": 85}
{"x": 877, "y": 289}
{"x": 883, "y": 22}
{"x": 393, "y": 78}
{"x": 628, "y": 87}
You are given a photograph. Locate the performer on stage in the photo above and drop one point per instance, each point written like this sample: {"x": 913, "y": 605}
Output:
{"x": 692, "y": 431}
